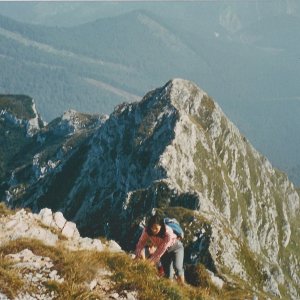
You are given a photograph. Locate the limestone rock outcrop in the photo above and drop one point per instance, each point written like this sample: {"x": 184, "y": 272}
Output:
{"x": 36, "y": 271}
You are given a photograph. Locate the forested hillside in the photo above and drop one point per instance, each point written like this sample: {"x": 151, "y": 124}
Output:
{"x": 240, "y": 58}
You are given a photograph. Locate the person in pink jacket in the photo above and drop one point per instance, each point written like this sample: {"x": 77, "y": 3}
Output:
{"x": 169, "y": 249}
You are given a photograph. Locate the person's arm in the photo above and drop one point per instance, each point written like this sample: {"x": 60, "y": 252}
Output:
{"x": 166, "y": 243}
{"x": 141, "y": 243}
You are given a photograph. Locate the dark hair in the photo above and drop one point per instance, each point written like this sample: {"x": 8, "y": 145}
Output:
{"x": 156, "y": 219}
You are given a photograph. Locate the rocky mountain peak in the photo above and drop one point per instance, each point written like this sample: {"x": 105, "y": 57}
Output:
{"x": 72, "y": 122}
{"x": 177, "y": 152}
{"x": 177, "y": 148}
{"x": 185, "y": 95}
{"x": 21, "y": 111}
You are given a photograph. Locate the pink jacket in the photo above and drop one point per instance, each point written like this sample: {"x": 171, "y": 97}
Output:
{"x": 162, "y": 244}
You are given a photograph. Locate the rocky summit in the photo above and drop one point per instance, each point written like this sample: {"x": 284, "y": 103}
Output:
{"x": 175, "y": 151}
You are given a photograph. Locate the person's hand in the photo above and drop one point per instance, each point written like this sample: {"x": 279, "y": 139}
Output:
{"x": 140, "y": 257}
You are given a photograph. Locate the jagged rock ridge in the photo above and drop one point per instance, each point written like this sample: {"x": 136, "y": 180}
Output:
{"x": 28, "y": 158}
{"x": 176, "y": 148}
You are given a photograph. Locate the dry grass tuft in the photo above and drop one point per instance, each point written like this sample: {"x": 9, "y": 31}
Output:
{"x": 10, "y": 281}
{"x": 198, "y": 276}
{"x": 5, "y": 211}
{"x": 80, "y": 267}
{"x": 76, "y": 268}
{"x": 141, "y": 276}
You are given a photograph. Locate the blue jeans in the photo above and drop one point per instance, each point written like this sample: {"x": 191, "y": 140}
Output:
{"x": 173, "y": 259}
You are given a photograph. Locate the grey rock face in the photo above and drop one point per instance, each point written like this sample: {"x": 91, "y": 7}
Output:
{"x": 59, "y": 220}
{"x": 24, "y": 224}
{"x": 72, "y": 122}
{"x": 46, "y": 217}
{"x": 113, "y": 246}
{"x": 69, "y": 230}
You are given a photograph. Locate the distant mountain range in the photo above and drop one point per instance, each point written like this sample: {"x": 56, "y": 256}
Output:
{"x": 175, "y": 151}
{"x": 246, "y": 55}
{"x": 232, "y": 15}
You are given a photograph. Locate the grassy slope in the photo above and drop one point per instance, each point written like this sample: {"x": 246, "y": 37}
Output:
{"x": 79, "y": 267}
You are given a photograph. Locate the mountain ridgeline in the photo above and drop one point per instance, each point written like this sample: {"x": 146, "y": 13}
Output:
{"x": 246, "y": 56}
{"x": 174, "y": 151}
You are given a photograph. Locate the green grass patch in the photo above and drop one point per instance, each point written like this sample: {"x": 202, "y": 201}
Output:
{"x": 252, "y": 265}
